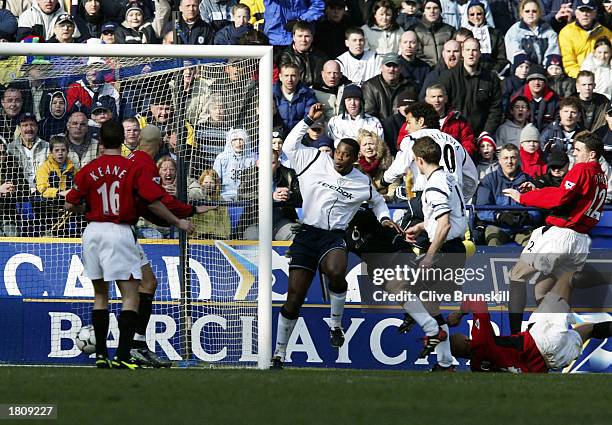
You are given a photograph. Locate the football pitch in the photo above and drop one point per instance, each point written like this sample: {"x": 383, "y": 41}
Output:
{"x": 306, "y": 396}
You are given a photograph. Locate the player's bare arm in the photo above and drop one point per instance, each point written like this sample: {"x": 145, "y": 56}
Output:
{"x": 201, "y": 209}
{"x": 78, "y": 209}
{"x": 160, "y": 210}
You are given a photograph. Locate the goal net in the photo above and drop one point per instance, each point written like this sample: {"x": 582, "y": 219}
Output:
{"x": 213, "y": 303}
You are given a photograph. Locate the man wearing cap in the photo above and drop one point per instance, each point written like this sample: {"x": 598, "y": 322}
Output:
{"x": 12, "y": 107}
{"x": 28, "y": 148}
{"x": 558, "y": 166}
{"x": 326, "y": 91}
{"x": 101, "y": 111}
{"x": 432, "y": 33}
{"x": 593, "y": 104}
{"x": 63, "y": 30}
{"x": 40, "y": 19}
{"x": 308, "y": 59}
{"x": 351, "y": 117}
{"x": 107, "y": 33}
{"x": 543, "y": 101}
{"x": 358, "y": 64}
{"x": 577, "y": 39}
{"x": 474, "y": 91}
{"x": 381, "y": 92}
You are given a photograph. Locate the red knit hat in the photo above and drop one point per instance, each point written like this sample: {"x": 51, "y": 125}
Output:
{"x": 485, "y": 137}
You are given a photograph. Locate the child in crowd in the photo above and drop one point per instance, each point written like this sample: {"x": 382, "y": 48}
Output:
{"x": 598, "y": 63}
{"x": 54, "y": 176}
{"x": 487, "y": 153}
{"x": 520, "y": 68}
{"x": 518, "y": 117}
{"x": 532, "y": 157}
{"x": 558, "y": 81}
{"x": 409, "y": 14}
{"x": 230, "y": 164}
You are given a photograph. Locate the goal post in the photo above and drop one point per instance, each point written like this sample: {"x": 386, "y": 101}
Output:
{"x": 262, "y": 126}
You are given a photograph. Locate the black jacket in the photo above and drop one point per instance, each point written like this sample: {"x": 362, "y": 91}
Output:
{"x": 310, "y": 63}
{"x": 415, "y": 71}
{"x": 380, "y": 98}
{"x": 329, "y": 36}
{"x": 478, "y": 97}
{"x": 199, "y": 34}
{"x": 391, "y": 128}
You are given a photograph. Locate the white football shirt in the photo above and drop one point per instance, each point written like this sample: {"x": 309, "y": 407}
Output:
{"x": 330, "y": 200}
{"x": 455, "y": 160}
{"x": 441, "y": 195}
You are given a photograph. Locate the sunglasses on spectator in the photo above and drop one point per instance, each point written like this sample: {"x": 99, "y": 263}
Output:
{"x": 556, "y": 168}
{"x": 476, "y": 14}
{"x": 108, "y": 33}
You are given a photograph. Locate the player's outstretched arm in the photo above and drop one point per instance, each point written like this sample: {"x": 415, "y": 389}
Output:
{"x": 160, "y": 210}
{"x": 73, "y": 208}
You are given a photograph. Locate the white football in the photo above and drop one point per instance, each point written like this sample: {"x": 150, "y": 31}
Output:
{"x": 86, "y": 339}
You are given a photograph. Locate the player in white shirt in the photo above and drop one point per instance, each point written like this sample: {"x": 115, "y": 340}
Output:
{"x": 445, "y": 224}
{"x": 351, "y": 117}
{"x": 332, "y": 191}
{"x": 358, "y": 64}
{"x": 422, "y": 120}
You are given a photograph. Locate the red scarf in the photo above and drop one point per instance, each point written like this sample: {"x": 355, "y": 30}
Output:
{"x": 533, "y": 163}
{"x": 370, "y": 168}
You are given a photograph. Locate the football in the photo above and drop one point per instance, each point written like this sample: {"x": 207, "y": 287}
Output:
{"x": 86, "y": 339}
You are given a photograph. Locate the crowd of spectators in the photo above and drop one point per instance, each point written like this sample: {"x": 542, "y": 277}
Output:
{"x": 513, "y": 81}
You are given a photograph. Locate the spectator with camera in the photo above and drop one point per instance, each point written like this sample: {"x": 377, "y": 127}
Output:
{"x": 499, "y": 226}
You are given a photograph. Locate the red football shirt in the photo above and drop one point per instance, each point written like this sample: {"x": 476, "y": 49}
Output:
{"x": 109, "y": 185}
{"x": 490, "y": 353}
{"x": 578, "y": 202}
{"x": 178, "y": 208}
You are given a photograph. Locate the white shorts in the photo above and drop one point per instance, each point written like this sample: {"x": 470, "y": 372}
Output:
{"x": 556, "y": 251}
{"x": 144, "y": 260}
{"x": 110, "y": 252}
{"x": 558, "y": 343}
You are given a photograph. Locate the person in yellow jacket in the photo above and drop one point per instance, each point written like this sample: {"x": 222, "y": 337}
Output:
{"x": 577, "y": 39}
{"x": 54, "y": 179}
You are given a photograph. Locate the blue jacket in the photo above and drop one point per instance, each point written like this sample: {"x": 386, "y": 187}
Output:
{"x": 490, "y": 192}
{"x": 278, "y": 12}
{"x": 294, "y": 111}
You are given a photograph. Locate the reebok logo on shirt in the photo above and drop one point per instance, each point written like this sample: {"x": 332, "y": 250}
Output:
{"x": 337, "y": 189}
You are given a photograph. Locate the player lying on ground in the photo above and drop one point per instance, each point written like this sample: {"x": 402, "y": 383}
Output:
{"x": 332, "y": 191}
{"x": 148, "y": 147}
{"x": 563, "y": 244}
{"x": 548, "y": 343}
{"x": 444, "y": 223}
{"x": 108, "y": 187}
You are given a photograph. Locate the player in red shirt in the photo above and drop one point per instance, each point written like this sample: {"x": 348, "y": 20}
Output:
{"x": 148, "y": 147}
{"x": 559, "y": 249}
{"x": 548, "y": 343}
{"x": 108, "y": 186}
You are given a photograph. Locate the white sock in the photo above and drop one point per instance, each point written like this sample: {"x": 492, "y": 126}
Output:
{"x": 443, "y": 350}
{"x": 417, "y": 311}
{"x": 138, "y": 337}
{"x": 283, "y": 332}
{"x": 337, "y": 309}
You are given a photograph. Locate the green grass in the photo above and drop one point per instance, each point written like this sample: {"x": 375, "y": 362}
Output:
{"x": 318, "y": 397}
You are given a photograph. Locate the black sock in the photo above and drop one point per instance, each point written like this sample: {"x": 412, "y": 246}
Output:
{"x": 516, "y": 305}
{"x": 100, "y": 320}
{"x": 144, "y": 314}
{"x": 602, "y": 330}
{"x": 127, "y": 327}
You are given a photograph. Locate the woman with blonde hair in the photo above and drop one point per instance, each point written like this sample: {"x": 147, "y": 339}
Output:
{"x": 214, "y": 224}
{"x": 374, "y": 159}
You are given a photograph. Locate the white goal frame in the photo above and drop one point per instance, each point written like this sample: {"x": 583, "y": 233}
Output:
{"x": 264, "y": 55}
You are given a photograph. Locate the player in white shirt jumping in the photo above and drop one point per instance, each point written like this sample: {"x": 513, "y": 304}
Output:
{"x": 332, "y": 191}
{"x": 445, "y": 223}
{"x": 422, "y": 120}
